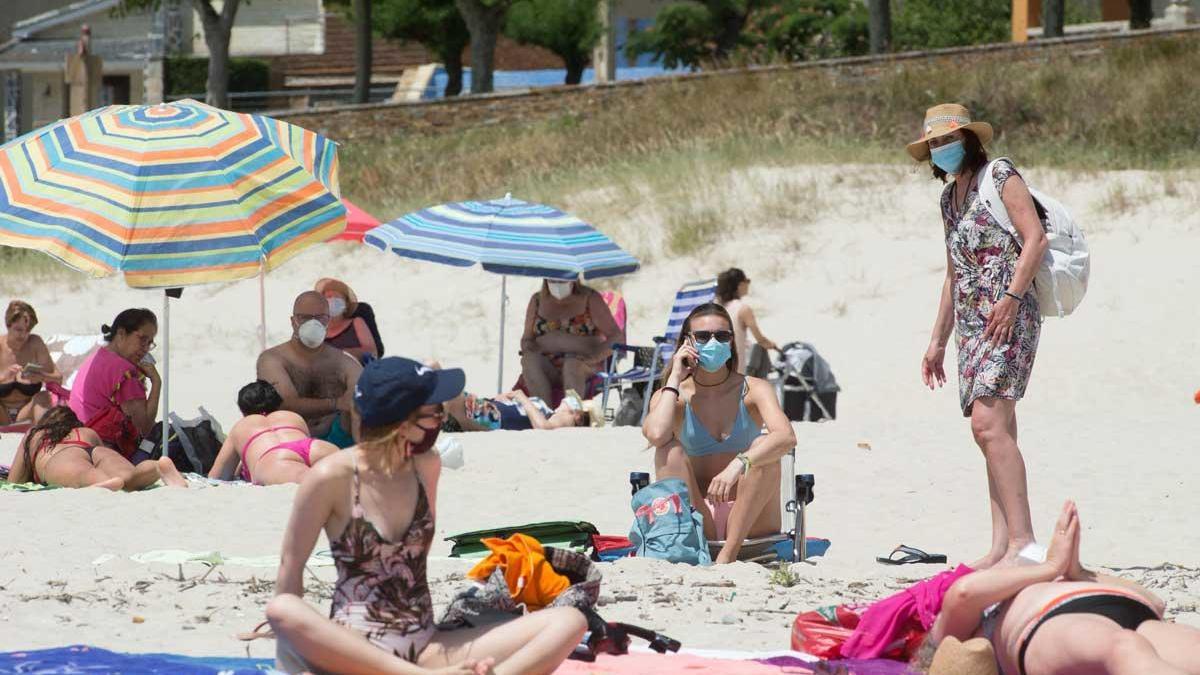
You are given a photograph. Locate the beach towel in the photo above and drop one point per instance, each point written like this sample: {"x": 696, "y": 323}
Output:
{"x": 530, "y": 578}
{"x": 709, "y": 662}
{"x": 25, "y": 487}
{"x": 85, "y": 659}
{"x": 573, "y": 535}
{"x": 898, "y": 616}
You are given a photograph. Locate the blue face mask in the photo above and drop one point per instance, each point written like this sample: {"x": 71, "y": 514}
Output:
{"x": 714, "y": 355}
{"x": 949, "y": 157}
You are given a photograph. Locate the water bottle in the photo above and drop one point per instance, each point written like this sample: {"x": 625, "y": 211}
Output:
{"x": 638, "y": 480}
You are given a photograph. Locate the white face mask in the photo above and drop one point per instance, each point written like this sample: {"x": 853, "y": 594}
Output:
{"x": 311, "y": 333}
{"x": 337, "y": 306}
{"x": 561, "y": 289}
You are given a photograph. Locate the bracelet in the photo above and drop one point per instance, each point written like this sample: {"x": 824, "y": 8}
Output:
{"x": 746, "y": 463}
{"x": 669, "y": 388}
{"x": 1014, "y": 296}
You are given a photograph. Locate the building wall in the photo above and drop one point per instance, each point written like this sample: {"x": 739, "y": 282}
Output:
{"x": 135, "y": 24}
{"x": 44, "y": 99}
{"x": 270, "y": 28}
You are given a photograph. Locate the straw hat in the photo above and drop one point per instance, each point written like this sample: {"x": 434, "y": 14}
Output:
{"x": 973, "y": 657}
{"x": 944, "y": 119}
{"x": 340, "y": 288}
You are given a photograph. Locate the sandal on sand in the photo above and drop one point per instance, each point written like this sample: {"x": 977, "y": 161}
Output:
{"x": 257, "y": 634}
{"x": 911, "y": 555}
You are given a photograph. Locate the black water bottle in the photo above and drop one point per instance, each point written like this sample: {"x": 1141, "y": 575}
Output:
{"x": 638, "y": 480}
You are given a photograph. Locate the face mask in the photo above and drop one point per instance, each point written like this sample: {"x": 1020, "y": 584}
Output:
{"x": 337, "y": 306}
{"x": 714, "y": 355}
{"x": 949, "y": 157}
{"x": 311, "y": 333}
{"x": 560, "y": 289}
{"x": 427, "y": 443}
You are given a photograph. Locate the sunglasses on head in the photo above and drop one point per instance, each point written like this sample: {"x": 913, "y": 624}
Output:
{"x": 707, "y": 335}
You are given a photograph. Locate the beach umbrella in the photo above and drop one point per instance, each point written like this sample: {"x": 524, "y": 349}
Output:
{"x": 358, "y": 223}
{"x": 508, "y": 237}
{"x": 170, "y": 195}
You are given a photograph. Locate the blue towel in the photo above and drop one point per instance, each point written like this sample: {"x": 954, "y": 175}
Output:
{"x": 85, "y": 659}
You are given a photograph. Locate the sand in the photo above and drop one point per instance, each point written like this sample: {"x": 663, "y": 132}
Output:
{"x": 1108, "y": 420}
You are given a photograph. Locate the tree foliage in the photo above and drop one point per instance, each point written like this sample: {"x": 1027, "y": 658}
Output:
{"x": 435, "y": 24}
{"x": 934, "y": 24}
{"x": 569, "y": 28}
{"x": 693, "y": 32}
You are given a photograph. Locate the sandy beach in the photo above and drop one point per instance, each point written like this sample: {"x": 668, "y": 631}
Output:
{"x": 1108, "y": 419}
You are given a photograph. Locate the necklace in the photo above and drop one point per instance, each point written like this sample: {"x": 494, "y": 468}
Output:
{"x": 728, "y": 374}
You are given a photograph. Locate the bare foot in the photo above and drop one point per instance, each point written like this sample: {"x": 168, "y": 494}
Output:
{"x": 170, "y": 475}
{"x": 114, "y": 484}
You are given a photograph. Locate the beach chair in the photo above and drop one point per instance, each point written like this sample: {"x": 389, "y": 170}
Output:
{"x": 795, "y": 494}
{"x": 68, "y": 353}
{"x": 647, "y": 370}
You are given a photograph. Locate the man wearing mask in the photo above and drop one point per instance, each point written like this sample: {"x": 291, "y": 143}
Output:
{"x": 315, "y": 380}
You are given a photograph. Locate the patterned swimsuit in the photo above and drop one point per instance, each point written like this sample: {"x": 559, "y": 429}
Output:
{"x": 381, "y": 590}
{"x": 580, "y": 325}
{"x": 984, "y": 256}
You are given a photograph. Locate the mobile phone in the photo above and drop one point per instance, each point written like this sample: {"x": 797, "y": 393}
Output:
{"x": 32, "y": 368}
{"x": 148, "y": 359}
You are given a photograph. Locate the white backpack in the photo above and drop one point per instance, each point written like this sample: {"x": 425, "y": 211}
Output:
{"x": 1062, "y": 278}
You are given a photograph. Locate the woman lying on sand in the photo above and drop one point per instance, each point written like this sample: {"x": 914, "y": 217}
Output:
{"x": 60, "y": 451}
{"x": 515, "y": 411}
{"x": 707, "y": 423}
{"x": 271, "y": 445}
{"x": 1057, "y": 618}
{"x": 376, "y": 503}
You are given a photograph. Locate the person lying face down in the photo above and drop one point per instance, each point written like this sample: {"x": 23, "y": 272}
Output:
{"x": 1056, "y": 618}
{"x": 59, "y": 450}
{"x": 516, "y": 411}
{"x": 315, "y": 380}
{"x": 272, "y": 446}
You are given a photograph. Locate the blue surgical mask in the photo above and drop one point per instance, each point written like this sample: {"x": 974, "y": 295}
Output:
{"x": 949, "y": 157}
{"x": 714, "y": 355}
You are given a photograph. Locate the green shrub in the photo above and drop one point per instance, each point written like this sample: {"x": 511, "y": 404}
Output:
{"x": 186, "y": 75}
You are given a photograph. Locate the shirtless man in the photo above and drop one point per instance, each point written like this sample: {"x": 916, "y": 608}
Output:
{"x": 315, "y": 380}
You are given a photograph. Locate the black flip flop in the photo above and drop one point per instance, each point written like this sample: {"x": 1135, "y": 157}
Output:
{"x": 911, "y": 556}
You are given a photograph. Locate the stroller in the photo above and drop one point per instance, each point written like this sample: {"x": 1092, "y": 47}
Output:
{"x": 805, "y": 384}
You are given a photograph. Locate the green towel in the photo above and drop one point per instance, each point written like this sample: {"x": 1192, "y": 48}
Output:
{"x": 25, "y": 487}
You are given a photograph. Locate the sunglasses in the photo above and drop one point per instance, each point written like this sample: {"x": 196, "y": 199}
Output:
{"x": 707, "y": 335}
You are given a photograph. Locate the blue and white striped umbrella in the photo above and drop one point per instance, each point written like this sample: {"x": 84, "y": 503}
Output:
{"x": 506, "y": 236}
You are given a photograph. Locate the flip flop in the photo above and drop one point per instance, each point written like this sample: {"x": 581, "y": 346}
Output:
{"x": 911, "y": 556}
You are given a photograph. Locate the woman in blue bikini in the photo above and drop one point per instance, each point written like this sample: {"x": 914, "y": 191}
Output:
{"x": 707, "y": 424}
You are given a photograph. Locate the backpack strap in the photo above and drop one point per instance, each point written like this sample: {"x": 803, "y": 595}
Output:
{"x": 994, "y": 203}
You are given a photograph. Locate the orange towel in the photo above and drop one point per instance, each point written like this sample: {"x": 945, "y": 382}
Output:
{"x": 531, "y": 579}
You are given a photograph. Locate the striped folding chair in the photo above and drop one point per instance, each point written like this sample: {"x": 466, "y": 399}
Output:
{"x": 691, "y": 296}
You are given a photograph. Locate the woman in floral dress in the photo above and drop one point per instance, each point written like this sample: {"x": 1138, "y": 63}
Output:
{"x": 987, "y": 299}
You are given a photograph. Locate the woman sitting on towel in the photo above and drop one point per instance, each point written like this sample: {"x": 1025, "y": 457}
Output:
{"x": 1056, "y": 618}
{"x": 346, "y": 331}
{"x": 706, "y": 424}
{"x": 376, "y": 503}
{"x": 108, "y": 393}
{"x": 60, "y": 451}
{"x": 568, "y": 334}
{"x": 271, "y": 445}
{"x": 25, "y": 364}
{"x": 516, "y": 411}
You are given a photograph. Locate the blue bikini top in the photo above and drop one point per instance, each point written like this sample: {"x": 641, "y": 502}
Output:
{"x": 697, "y": 441}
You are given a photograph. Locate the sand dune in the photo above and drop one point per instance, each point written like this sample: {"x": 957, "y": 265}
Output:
{"x": 1108, "y": 419}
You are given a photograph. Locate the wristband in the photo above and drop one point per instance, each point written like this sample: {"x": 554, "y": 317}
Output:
{"x": 746, "y": 463}
{"x": 1014, "y": 296}
{"x": 669, "y": 388}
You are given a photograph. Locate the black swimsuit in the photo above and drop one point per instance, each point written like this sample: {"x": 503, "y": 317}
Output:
{"x": 30, "y": 389}
{"x": 1124, "y": 611}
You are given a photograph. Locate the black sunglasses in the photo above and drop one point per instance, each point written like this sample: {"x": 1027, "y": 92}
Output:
{"x": 706, "y": 335}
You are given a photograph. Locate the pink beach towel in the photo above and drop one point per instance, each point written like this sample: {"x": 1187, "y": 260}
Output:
{"x": 887, "y": 620}
{"x": 672, "y": 664}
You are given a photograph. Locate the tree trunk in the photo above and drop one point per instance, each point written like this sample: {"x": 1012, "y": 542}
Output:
{"x": 1140, "y": 13}
{"x": 218, "y": 29}
{"x": 576, "y": 64}
{"x": 483, "y": 23}
{"x": 454, "y": 72}
{"x": 1052, "y": 18}
{"x": 880, "y": 25}
{"x": 729, "y": 32}
{"x": 362, "y": 51}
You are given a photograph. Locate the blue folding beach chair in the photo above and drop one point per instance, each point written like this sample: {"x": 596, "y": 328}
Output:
{"x": 691, "y": 296}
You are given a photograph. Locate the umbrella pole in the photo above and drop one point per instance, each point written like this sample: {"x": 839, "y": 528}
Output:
{"x": 166, "y": 374}
{"x": 262, "y": 306}
{"x": 503, "y": 308}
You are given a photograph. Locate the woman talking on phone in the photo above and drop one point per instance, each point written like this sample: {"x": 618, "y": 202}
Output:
{"x": 25, "y": 365}
{"x": 108, "y": 394}
{"x": 707, "y": 423}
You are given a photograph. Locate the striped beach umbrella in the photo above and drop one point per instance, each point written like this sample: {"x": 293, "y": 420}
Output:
{"x": 505, "y": 236}
{"x": 169, "y": 195}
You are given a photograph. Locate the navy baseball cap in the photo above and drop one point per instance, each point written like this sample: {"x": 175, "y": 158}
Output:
{"x": 391, "y": 388}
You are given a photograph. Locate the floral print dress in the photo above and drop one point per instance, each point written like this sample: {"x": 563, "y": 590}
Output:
{"x": 984, "y": 256}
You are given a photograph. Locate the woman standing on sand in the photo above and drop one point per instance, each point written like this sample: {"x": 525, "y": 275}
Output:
{"x": 732, "y": 286}
{"x": 987, "y": 299}
{"x": 376, "y": 502}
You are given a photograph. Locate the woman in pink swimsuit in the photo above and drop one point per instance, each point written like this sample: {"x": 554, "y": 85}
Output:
{"x": 271, "y": 445}
{"x": 376, "y": 503}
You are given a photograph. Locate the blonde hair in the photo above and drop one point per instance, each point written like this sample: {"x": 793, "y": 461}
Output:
{"x": 386, "y": 443}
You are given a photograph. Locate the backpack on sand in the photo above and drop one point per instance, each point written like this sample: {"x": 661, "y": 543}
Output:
{"x": 1062, "y": 278}
{"x": 665, "y": 526}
